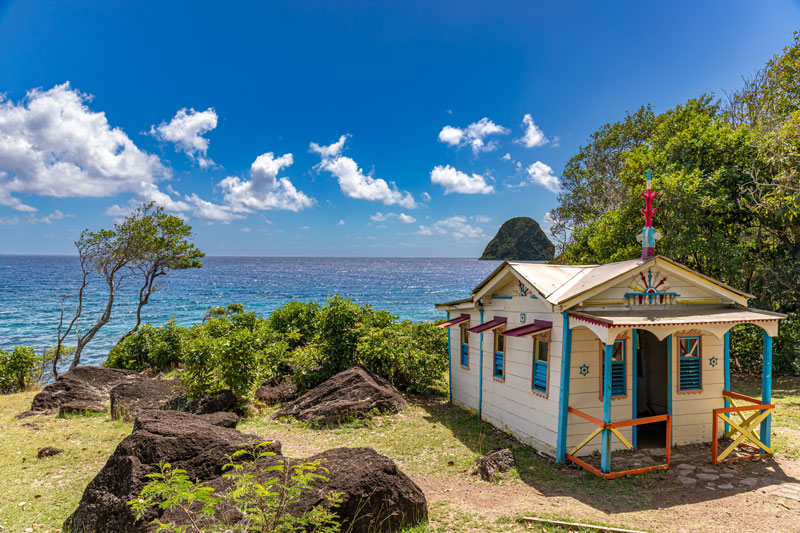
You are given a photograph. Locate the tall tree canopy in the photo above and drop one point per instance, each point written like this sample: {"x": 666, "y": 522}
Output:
{"x": 728, "y": 177}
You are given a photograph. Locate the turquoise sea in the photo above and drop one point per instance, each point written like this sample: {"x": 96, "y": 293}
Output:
{"x": 31, "y": 288}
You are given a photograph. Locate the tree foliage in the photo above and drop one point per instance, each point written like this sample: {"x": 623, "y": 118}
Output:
{"x": 728, "y": 178}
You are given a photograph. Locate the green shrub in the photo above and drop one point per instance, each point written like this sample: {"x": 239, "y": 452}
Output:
{"x": 263, "y": 491}
{"x": 297, "y": 321}
{"x": 20, "y": 370}
{"x": 342, "y": 322}
{"x": 239, "y": 360}
{"x": 306, "y": 363}
{"x": 160, "y": 348}
{"x": 411, "y": 356}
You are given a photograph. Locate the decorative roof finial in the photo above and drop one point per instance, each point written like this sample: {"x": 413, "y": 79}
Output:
{"x": 649, "y": 235}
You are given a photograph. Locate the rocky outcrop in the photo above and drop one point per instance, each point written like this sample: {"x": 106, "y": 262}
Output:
{"x": 354, "y": 393}
{"x": 520, "y": 239}
{"x": 213, "y": 402}
{"x": 84, "y": 383}
{"x": 197, "y": 444}
{"x": 376, "y": 495}
{"x": 129, "y": 398}
{"x": 81, "y": 407}
{"x": 276, "y": 390}
{"x": 490, "y": 465}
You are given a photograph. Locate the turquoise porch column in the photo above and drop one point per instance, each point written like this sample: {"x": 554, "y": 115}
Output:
{"x": 726, "y": 363}
{"x": 563, "y": 399}
{"x": 480, "y": 373}
{"x": 766, "y": 389}
{"x": 449, "y": 361}
{"x": 605, "y": 452}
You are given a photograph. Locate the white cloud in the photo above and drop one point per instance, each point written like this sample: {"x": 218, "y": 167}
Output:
{"x": 506, "y": 157}
{"x": 332, "y": 150}
{"x": 352, "y": 180}
{"x": 473, "y": 135}
{"x": 456, "y": 181}
{"x": 458, "y": 227}
{"x": 52, "y": 144}
{"x": 245, "y": 229}
{"x": 533, "y": 135}
{"x": 305, "y": 228}
{"x": 186, "y": 130}
{"x": 482, "y": 219}
{"x": 541, "y": 174}
{"x": 426, "y": 197}
{"x": 340, "y": 223}
{"x": 33, "y": 219}
{"x": 264, "y": 190}
{"x": 401, "y": 217}
{"x": 211, "y": 211}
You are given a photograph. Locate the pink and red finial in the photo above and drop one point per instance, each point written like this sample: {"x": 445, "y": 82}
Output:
{"x": 649, "y": 235}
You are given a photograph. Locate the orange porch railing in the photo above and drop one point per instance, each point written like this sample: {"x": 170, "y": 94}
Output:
{"x": 614, "y": 429}
{"x": 745, "y": 427}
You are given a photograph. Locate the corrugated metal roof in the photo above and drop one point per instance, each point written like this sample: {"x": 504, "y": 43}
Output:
{"x": 562, "y": 283}
{"x": 670, "y": 317}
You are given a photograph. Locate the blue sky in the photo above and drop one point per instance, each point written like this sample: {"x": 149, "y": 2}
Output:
{"x": 431, "y": 123}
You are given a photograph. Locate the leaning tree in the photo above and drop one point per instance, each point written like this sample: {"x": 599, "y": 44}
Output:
{"x": 146, "y": 245}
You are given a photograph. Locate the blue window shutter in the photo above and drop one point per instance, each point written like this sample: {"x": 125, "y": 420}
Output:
{"x": 498, "y": 365}
{"x": 540, "y": 361}
{"x": 619, "y": 386}
{"x": 689, "y": 364}
{"x": 465, "y": 355}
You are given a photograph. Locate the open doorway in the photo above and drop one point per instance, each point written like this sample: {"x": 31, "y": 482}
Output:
{"x": 651, "y": 388}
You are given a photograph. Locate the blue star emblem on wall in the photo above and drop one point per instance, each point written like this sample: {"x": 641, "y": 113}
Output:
{"x": 713, "y": 361}
{"x": 584, "y": 370}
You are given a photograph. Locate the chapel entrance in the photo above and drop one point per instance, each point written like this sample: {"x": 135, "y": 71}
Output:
{"x": 651, "y": 388}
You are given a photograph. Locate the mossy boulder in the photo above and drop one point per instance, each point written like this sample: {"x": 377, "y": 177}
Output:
{"x": 520, "y": 239}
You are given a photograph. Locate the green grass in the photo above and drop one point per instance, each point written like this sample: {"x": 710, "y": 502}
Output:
{"x": 41, "y": 493}
{"x": 431, "y": 440}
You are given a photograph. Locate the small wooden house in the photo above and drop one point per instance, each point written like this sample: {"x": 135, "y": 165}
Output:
{"x": 573, "y": 359}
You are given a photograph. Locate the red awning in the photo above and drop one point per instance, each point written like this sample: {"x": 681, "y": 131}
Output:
{"x": 538, "y": 326}
{"x": 496, "y": 322}
{"x": 453, "y": 321}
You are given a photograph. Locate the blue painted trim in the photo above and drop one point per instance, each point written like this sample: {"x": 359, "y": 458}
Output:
{"x": 480, "y": 373}
{"x": 605, "y": 452}
{"x": 669, "y": 384}
{"x": 726, "y": 364}
{"x": 450, "y": 361}
{"x": 501, "y": 297}
{"x": 766, "y": 389}
{"x": 634, "y": 369}
{"x": 534, "y": 297}
{"x": 563, "y": 399}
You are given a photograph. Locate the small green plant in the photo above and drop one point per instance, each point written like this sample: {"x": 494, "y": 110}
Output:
{"x": 262, "y": 491}
{"x": 20, "y": 370}
{"x": 160, "y": 348}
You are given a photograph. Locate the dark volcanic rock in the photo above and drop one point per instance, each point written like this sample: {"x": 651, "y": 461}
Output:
{"x": 80, "y": 407}
{"x": 376, "y": 495}
{"x": 495, "y": 462}
{"x": 84, "y": 383}
{"x": 48, "y": 451}
{"x": 184, "y": 440}
{"x": 276, "y": 390}
{"x": 213, "y": 402}
{"x": 354, "y": 393}
{"x": 521, "y": 239}
{"x": 128, "y": 398}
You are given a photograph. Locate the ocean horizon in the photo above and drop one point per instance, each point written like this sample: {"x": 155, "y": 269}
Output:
{"x": 32, "y": 286}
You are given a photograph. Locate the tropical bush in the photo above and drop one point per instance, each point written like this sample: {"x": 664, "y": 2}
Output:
{"x": 20, "y": 370}
{"x": 341, "y": 324}
{"x": 296, "y": 321}
{"x": 159, "y": 347}
{"x": 747, "y": 347}
{"x": 262, "y": 491}
{"x": 411, "y": 356}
